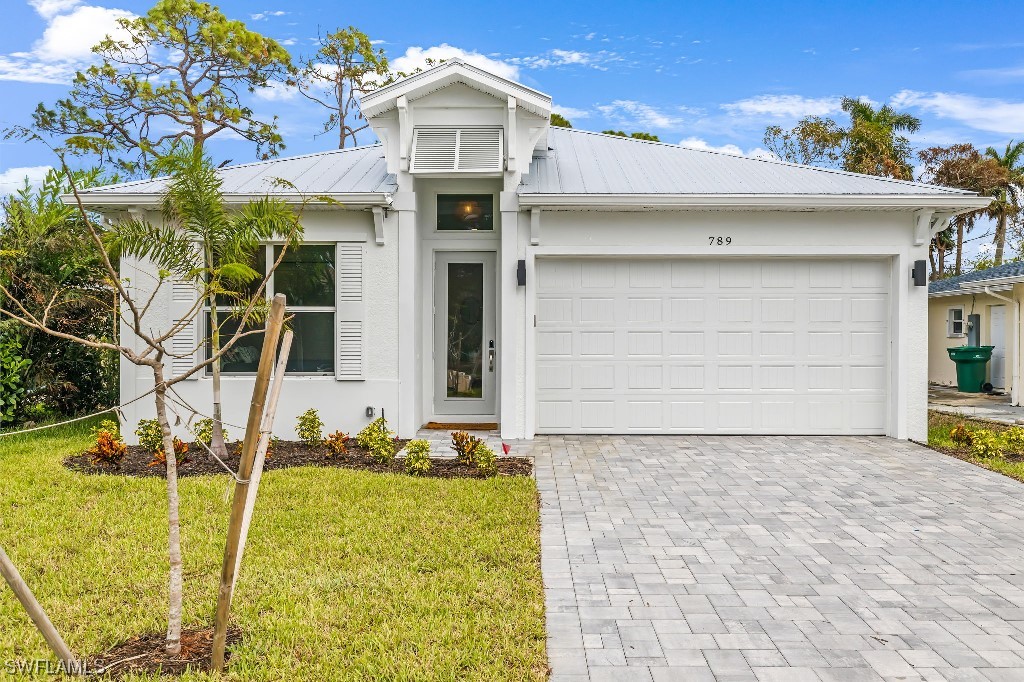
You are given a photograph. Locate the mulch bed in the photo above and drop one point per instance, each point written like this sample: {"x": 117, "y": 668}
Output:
{"x": 146, "y": 654}
{"x": 287, "y": 454}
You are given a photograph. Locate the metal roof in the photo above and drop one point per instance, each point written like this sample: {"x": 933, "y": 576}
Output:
{"x": 581, "y": 162}
{"x": 359, "y": 170}
{"x": 999, "y": 272}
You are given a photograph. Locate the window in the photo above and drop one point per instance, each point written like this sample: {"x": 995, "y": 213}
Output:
{"x": 470, "y": 212}
{"x": 955, "y": 322}
{"x": 306, "y": 277}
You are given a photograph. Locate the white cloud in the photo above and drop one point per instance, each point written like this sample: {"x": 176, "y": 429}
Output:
{"x": 784, "y": 106}
{"x": 559, "y": 57}
{"x": 287, "y": 41}
{"x": 704, "y": 145}
{"x": 982, "y": 113}
{"x": 570, "y": 112}
{"x": 66, "y": 43}
{"x": 260, "y": 16}
{"x": 276, "y": 92}
{"x": 416, "y": 57}
{"x": 13, "y": 179}
{"x": 630, "y": 112}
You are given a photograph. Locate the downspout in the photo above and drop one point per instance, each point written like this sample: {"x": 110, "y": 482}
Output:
{"x": 1015, "y": 346}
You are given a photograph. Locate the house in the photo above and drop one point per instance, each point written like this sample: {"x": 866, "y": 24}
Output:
{"x": 482, "y": 266}
{"x": 994, "y": 295}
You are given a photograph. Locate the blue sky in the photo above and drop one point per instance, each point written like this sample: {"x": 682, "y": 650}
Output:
{"x": 709, "y": 75}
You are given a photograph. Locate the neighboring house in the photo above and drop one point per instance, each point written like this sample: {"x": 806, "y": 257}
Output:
{"x": 994, "y": 295}
{"x": 486, "y": 267}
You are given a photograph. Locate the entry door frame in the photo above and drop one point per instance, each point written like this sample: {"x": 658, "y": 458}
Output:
{"x": 997, "y": 337}
{"x": 467, "y": 409}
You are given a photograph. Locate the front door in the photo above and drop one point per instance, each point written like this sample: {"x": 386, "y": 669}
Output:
{"x": 997, "y": 337}
{"x": 465, "y": 352}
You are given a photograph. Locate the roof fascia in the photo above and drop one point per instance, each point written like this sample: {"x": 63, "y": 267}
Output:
{"x": 149, "y": 200}
{"x": 955, "y": 203}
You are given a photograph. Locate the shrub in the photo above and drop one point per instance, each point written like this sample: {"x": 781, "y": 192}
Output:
{"x": 310, "y": 428}
{"x": 417, "y": 457}
{"x": 109, "y": 448}
{"x": 1013, "y": 438}
{"x": 961, "y": 435}
{"x": 13, "y": 367}
{"x": 337, "y": 443}
{"x": 465, "y": 446}
{"x": 984, "y": 443}
{"x": 485, "y": 459}
{"x": 378, "y": 440}
{"x": 203, "y": 431}
{"x": 180, "y": 454}
{"x": 151, "y": 436}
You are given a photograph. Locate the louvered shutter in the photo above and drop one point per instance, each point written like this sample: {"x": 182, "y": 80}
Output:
{"x": 457, "y": 150}
{"x": 183, "y": 299}
{"x": 351, "y": 310}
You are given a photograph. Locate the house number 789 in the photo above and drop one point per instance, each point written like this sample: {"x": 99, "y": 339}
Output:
{"x": 719, "y": 241}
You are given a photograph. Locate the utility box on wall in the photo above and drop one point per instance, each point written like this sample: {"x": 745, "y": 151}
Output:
{"x": 974, "y": 330}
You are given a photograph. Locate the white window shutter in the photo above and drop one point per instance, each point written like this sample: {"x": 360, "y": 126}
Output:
{"x": 351, "y": 311}
{"x": 185, "y": 342}
{"x": 457, "y": 150}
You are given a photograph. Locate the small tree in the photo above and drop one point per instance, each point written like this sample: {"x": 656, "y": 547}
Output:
{"x": 559, "y": 121}
{"x": 345, "y": 66}
{"x": 153, "y": 348}
{"x": 178, "y": 75}
{"x": 650, "y": 137}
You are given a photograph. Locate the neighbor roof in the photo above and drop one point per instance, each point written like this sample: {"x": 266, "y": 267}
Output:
{"x": 999, "y": 272}
{"x": 337, "y": 173}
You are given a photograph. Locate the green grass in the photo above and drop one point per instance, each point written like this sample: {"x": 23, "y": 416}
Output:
{"x": 939, "y": 427}
{"x": 347, "y": 576}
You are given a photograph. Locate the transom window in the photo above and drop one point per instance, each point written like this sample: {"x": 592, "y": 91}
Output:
{"x": 306, "y": 277}
{"x": 466, "y": 212}
{"x": 955, "y": 322}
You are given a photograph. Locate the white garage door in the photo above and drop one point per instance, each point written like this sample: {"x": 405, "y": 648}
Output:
{"x": 698, "y": 346}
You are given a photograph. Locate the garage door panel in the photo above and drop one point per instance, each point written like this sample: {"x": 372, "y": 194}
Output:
{"x": 681, "y": 346}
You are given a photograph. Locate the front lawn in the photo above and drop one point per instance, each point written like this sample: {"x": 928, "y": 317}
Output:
{"x": 940, "y": 427}
{"x": 348, "y": 575}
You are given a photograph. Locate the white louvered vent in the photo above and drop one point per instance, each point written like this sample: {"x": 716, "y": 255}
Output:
{"x": 183, "y": 347}
{"x": 350, "y": 312}
{"x": 183, "y": 299}
{"x": 457, "y": 150}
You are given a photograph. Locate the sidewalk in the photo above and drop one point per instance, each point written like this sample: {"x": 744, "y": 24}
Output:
{"x": 996, "y": 408}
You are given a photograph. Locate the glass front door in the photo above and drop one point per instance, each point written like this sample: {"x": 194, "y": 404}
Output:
{"x": 465, "y": 350}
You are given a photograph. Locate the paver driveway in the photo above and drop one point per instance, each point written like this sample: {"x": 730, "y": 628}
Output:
{"x": 686, "y": 558}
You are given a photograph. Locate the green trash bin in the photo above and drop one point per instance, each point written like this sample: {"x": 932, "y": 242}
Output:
{"x": 971, "y": 362}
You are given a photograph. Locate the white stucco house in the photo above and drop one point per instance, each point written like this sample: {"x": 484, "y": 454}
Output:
{"x": 485, "y": 267}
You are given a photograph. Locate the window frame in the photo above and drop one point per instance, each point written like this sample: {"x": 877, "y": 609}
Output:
{"x": 951, "y": 323}
{"x": 268, "y": 295}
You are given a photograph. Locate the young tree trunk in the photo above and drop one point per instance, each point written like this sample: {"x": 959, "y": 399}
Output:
{"x": 959, "y": 248}
{"x": 173, "y": 645}
{"x": 217, "y": 443}
{"x": 1000, "y": 238}
{"x": 931, "y": 259}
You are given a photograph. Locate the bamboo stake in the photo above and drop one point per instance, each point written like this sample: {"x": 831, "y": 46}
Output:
{"x": 36, "y": 613}
{"x": 261, "y": 450}
{"x": 259, "y": 397}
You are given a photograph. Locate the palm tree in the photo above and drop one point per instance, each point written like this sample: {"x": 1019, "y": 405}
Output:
{"x": 1007, "y": 203}
{"x": 873, "y": 143}
{"x": 204, "y": 243}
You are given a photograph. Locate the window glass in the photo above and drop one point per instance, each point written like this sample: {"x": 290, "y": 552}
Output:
{"x": 306, "y": 275}
{"x": 258, "y": 262}
{"x": 313, "y": 344}
{"x": 244, "y": 355}
{"x": 465, "y": 212}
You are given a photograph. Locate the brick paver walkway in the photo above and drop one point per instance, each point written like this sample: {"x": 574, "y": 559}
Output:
{"x": 790, "y": 559}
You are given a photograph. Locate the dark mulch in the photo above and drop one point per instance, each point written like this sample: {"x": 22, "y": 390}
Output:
{"x": 146, "y": 654}
{"x": 287, "y": 454}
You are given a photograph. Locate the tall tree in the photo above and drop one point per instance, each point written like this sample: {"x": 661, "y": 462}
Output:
{"x": 559, "y": 121}
{"x": 1008, "y": 202}
{"x": 345, "y": 66}
{"x": 963, "y": 166}
{"x": 178, "y": 74}
{"x": 872, "y": 143}
{"x": 153, "y": 348}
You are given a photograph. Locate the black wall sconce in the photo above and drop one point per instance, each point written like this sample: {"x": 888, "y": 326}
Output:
{"x": 521, "y": 273}
{"x": 920, "y": 273}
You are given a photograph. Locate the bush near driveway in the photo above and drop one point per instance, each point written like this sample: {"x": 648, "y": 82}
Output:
{"x": 348, "y": 575}
{"x": 988, "y": 444}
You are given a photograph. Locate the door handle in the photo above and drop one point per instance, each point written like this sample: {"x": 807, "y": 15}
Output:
{"x": 490, "y": 355}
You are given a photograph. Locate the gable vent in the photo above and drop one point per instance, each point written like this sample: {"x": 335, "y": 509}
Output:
{"x": 457, "y": 150}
